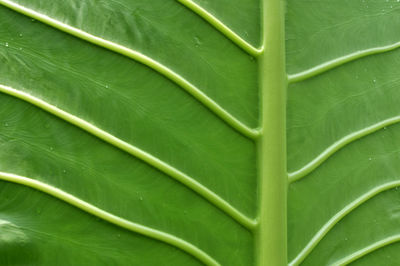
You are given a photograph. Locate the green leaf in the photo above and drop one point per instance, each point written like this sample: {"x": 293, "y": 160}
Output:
{"x": 127, "y": 110}
{"x": 343, "y": 105}
{"x": 180, "y": 132}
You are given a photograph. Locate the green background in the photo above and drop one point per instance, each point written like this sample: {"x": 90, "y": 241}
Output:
{"x": 147, "y": 110}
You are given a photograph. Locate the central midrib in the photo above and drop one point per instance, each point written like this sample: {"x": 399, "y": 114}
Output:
{"x": 271, "y": 234}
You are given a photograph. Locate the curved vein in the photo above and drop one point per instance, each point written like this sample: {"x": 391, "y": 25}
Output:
{"x": 132, "y": 150}
{"x": 339, "y": 216}
{"x": 231, "y": 35}
{"x": 365, "y": 251}
{"x": 311, "y": 166}
{"x": 93, "y": 210}
{"x": 292, "y": 78}
{"x": 145, "y": 60}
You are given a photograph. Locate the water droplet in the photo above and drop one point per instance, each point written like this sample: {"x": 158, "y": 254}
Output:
{"x": 197, "y": 41}
{"x": 20, "y": 48}
{"x": 51, "y": 148}
{"x": 20, "y": 35}
{"x": 64, "y": 171}
{"x": 106, "y": 86}
{"x": 345, "y": 239}
{"x": 118, "y": 235}
{"x": 6, "y": 124}
{"x": 374, "y": 80}
{"x": 384, "y": 127}
{"x": 369, "y": 159}
{"x": 140, "y": 198}
{"x": 6, "y": 44}
{"x": 33, "y": 20}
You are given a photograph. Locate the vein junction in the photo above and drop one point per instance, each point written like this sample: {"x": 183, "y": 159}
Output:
{"x": 145, "y": 60}
{"x": 312, "y": 72}
{"x": 138, "y": 153}
{"x": 217, "y": 24}
{"x": 311, "y": 166}
{"x": 148, "y": 158}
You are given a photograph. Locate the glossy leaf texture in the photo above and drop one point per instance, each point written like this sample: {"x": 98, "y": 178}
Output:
{"x": 133, "y": 118}
{"x": 128, "y": 132}
{"x": 343, "y": 137}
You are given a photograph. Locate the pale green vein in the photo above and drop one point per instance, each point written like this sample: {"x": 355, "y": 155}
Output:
{"x": 145, "y": 60}
{"x": 339, "y": 216}
{"x": 308, "y": 168}
{"x": 93, "y": 210}
{"x": 231, "y": 35}
{"x": 292, "y": 78}
{"x": 144, "y": 156}
{"x": 365, "y": 251}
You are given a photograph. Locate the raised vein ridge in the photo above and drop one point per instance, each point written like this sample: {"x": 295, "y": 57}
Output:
{"x": 292, "y": 78}
{"x": 271, "y": 234}
{"x": 230, "y": 34}
{"x": 339, "y": 216}
{"x": 365, "y": 251}
{"x": 136, "y": 152}
{"x": 93, "y": 210}
{"x": 157, "y": 66}
{"x": 311, "y": 166}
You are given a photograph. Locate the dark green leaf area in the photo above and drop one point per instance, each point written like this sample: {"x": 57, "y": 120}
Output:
{"x": 37, "y": 229}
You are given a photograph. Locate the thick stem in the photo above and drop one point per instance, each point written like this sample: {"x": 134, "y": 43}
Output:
{"x": 271, "y": 234}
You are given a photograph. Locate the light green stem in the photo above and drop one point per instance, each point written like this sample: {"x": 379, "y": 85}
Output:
{"x": 271, "y": 234}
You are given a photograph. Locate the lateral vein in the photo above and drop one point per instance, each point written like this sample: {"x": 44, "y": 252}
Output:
{"x": 136, "y": 152}
{"x": 225, "y": 30}
{"x": 314, "y": 71}
{"x": 111, "y": 218}
{"x": 365, "y": 251}
{"x": 339, "y": 216}
{"x": 311, "y": 166}
{"x": 213, "y": 106}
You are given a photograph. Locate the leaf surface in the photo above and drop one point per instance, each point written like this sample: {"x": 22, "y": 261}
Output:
{"x": 130, "y": 103}
{"x": 152, "y": 132}
{"x": 342, "y": 132}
